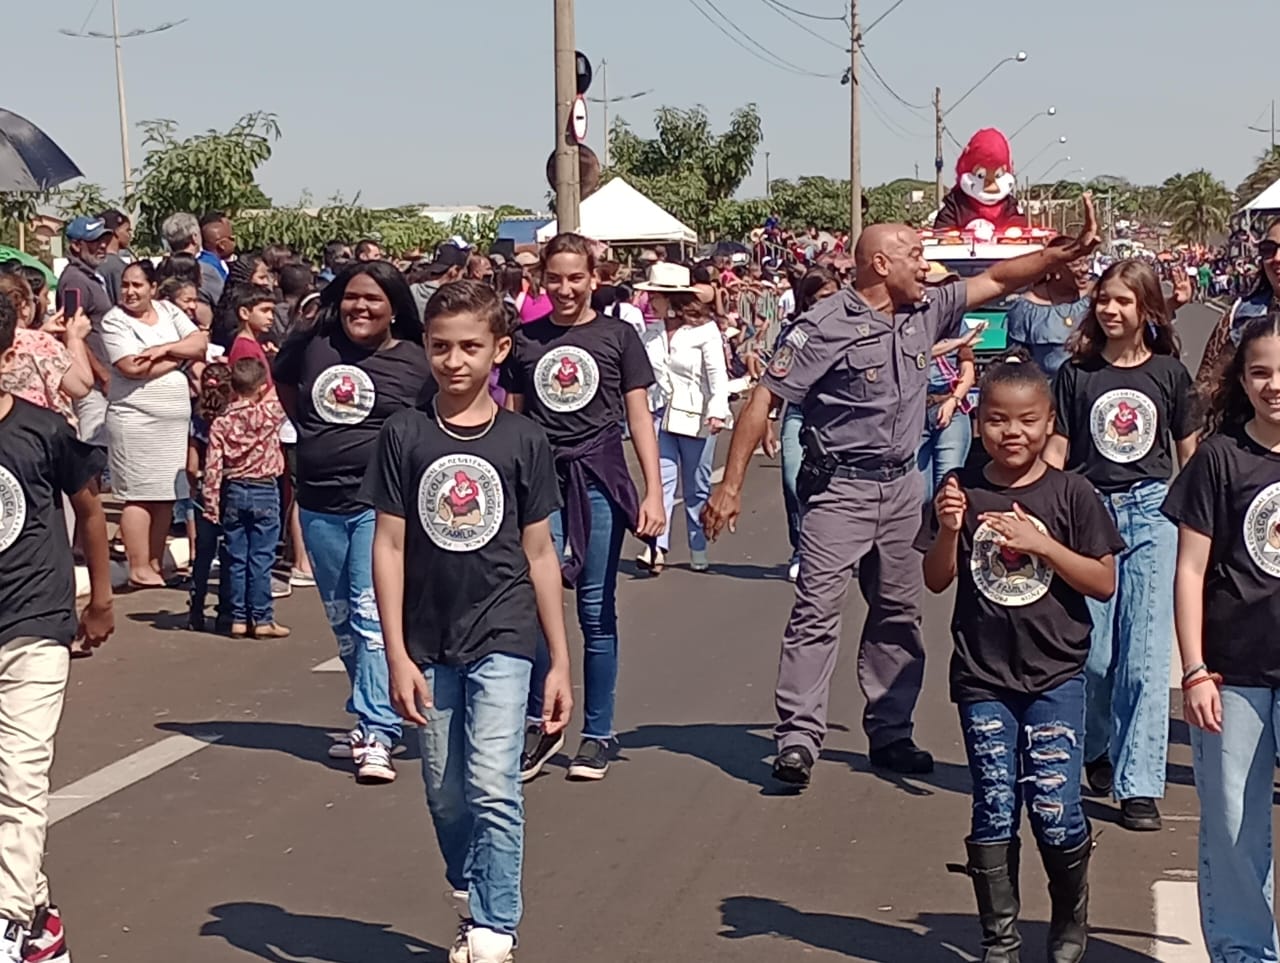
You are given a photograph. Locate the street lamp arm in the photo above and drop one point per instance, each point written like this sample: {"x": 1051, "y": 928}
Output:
{"x": 985, "y": 78}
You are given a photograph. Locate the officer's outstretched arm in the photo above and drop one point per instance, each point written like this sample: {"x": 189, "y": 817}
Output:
{"x": 1008, "y": 277}
{"x": 722, "y": 508}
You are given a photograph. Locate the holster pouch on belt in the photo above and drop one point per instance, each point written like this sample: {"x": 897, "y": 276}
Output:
{"x": 817, "y": 467}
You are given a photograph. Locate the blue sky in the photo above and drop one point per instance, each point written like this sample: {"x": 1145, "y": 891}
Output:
{"x": 451, "y": 103}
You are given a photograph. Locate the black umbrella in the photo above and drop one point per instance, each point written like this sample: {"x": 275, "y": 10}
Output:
{"x": 729, "y": 249}
{"x": 29, "y": 160}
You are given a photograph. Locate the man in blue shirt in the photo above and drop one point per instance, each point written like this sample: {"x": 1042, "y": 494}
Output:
{"x": 218, "y": 242}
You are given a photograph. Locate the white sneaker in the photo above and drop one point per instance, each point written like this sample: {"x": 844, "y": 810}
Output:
{"x": 12, "y": 941}
{"x": 698, "y": 561}
{"x": 486, "y": 946}
{"x": 350, "y": 746}
{"x": 375, "y": 766}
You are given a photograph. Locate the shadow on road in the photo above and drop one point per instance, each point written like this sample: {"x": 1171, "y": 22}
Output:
{"x": 745, "y": 753}
{"x": 927, "y": 938}
{"x": 272, "y": 933}
{"x": 308, "y": 743}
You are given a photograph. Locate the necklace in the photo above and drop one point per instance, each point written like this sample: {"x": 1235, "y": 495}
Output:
{"x": 453, "y": 434}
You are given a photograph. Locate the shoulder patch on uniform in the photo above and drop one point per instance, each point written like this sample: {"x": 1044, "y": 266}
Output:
{"x": 780, "y": 365}
{"x": 798, "y": 338}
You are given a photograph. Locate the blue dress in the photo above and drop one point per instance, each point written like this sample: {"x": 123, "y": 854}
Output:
{"x": 1044, "y": 329}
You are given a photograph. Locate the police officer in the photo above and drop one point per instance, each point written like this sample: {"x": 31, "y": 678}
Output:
{"x": 858, "y": 364}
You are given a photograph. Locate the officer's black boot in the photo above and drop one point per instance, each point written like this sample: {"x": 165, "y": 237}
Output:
{"x": 993, "y": 868}
{"x": 1068, "y": 872}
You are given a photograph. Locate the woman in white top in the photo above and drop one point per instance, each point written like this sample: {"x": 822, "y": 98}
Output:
{"x": 148, "y": 415}
{"x": 690, "y": 404}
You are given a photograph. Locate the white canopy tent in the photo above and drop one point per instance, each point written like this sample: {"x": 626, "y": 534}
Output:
{"x": 1266, "y": 202}
{"x": 619, "y": 214}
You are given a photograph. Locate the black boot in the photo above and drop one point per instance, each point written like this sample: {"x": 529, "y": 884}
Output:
{"x": 1068, "y": 872}
{"x": 993, "y": 868}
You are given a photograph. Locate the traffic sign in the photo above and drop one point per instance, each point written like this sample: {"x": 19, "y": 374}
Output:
{"x": 579, "y": 118}
{"x": 583, "y": 67}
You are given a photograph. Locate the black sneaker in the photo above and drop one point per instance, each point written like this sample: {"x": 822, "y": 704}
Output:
{"x": 1140, "y": 814}
{"x": 793, "y": 766}
{"x": 904, "y": 757}
{"x": 1100, "y": 775}
{"x": 592, "y": 760}
{"x": 538, "y": 748}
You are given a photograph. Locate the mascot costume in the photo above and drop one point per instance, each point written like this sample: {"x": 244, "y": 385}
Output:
{"x": 982, "y": 200}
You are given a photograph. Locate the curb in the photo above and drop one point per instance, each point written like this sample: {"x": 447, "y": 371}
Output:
{"x": 176, "y": 555}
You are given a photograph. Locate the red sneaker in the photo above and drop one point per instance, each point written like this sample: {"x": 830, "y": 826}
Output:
{"x": 47, "y": 942}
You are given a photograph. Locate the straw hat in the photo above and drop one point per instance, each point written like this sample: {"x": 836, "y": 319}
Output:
{"x": 667, "y": 278}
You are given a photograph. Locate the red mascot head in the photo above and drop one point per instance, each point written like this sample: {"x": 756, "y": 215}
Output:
{"x": 985, "y": 169}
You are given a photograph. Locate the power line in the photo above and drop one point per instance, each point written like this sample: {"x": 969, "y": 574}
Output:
{"x": 812, "y": 16}
{"x": 780, "y": 11}
{"x": 773, "y": 61}
{"x": 867, "y": 29}
{"x": 892, "y": 126}
{"x": 884, "y": 83}
{"x": 88, "y": 16}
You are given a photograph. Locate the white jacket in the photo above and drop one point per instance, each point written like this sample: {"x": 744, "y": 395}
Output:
{"x": 688, "y": 370}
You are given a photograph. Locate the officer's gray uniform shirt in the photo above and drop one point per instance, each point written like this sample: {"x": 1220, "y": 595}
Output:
{"x": 861, "y": 376}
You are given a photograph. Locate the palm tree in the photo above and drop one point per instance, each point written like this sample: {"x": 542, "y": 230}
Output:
{"x": 1264, "y": 175}
{"x": 1197, "y": 204}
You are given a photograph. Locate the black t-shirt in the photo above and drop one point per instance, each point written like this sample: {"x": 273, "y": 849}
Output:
{"x": 573, "y": 379}
{"x": 1230, "y": 491}
{"x": 467, "y": 592}
{"x": 40, "y": 459}
{"x": 1120, "y": 421}
{"x": 345, "y": 394}
{"x": 1018, "y": 628}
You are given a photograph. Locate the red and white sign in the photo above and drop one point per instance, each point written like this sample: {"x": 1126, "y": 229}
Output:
{"x": 579, "y": 118}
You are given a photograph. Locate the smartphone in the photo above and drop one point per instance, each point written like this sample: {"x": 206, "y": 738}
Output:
{"x": 70, "y": 303}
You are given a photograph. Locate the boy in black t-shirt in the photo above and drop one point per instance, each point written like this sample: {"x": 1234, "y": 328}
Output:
{"x": 1028, "y": 544}
{"x": 465, "y": 570}
{"x": 40, "y": 461}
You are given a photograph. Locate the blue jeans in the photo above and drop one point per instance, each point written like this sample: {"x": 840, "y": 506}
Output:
{"x": 597, "y": 592}
{"x": 792, "y": 455}
{"x": 341, "y": 551}
{"x": 1023, "y": 749}
{"x": 1235, "y": 779}
{"x": 1127, "y": 675}
{"x": 471, "y": 748}
{"x": 689, "y": 460}
{"x": 250, "y": 530}
{"x": 942, "y": 450}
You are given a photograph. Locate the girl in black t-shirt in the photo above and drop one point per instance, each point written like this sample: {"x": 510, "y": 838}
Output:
{"x": 1227, "y": 606}
{"x": 579, "y": 375}
{"x": 1026, "y": 544}
{"x": 1124, "y": 405}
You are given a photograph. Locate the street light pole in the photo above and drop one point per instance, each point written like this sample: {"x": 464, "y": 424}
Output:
{"x": 568, "y": 189}
{"x": 605, "y": 100}
{"x": 1031, "y": 160}
{"x": 939, "y": 116}
{"x": 855, "y": 125}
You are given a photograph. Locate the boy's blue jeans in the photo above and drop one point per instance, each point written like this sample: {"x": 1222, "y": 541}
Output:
{"x": 251, "y": 531}
{"x": 471, "y": 748}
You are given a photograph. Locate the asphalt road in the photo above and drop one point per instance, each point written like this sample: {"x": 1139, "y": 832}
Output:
{"x": 251, "y": 845}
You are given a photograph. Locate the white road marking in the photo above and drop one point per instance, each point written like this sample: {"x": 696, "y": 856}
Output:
{"x": 1177, "y": 911}
{"x": 717, "y": 476}
{"x": 123, "y": 773}
{"x": 333, "y": 665}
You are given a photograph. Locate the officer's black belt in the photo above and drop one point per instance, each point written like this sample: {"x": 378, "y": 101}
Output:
{"x": 884, "y": 473}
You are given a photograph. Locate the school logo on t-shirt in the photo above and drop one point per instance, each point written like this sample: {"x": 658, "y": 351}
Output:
{"x": 1123, "y": 423}
{"x": 460, "y": 502}
{"x": 13, "y": 509}
{"x": 1261, "y": 530}
{"x": 566, "y": 379}
{"x": 343, "y": 394}
{"x": 1005, "y": 576}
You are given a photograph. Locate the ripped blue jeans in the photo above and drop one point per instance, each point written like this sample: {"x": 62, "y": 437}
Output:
{"x": 341, "y": 552}
{"x": 1027, "y": 750}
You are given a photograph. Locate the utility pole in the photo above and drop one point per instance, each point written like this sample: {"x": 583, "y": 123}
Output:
{"x": 115, "y": 36}
{"x": 855, "y": 125}
{"x": 604, "y": 96}
{"x": 937, "y": 145}
{"x": 568, "y": 189}
{"x": 768, "y": 191}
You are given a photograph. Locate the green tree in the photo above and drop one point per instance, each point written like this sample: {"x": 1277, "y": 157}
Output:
{"x": 1266, "y": 173}
{"x": 1197, "y": 204}
{"x": 213, "y": 170}
{"x": 687, "y": 168}
{"x": 85, "y": 198}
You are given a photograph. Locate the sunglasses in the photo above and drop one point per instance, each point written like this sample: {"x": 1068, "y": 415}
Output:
{"x": 1267, "y": 249}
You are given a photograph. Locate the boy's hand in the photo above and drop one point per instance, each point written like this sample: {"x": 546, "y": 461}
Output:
{"x": 557, "y": 701}
{"x": 410, "y": 693}
{"x": 653, "y": 516}
{"x": 950, "y": 503}
{"x": 97, "y": 622}
{"x": 1016, "y": 531}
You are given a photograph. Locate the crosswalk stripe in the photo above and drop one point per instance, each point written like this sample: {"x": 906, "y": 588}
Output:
{"x": 1177, "y": 909}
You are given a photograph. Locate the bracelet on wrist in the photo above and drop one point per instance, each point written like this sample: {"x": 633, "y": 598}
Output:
{"x": 1213, "y": 677}
{"x": 1199, "y": 667}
